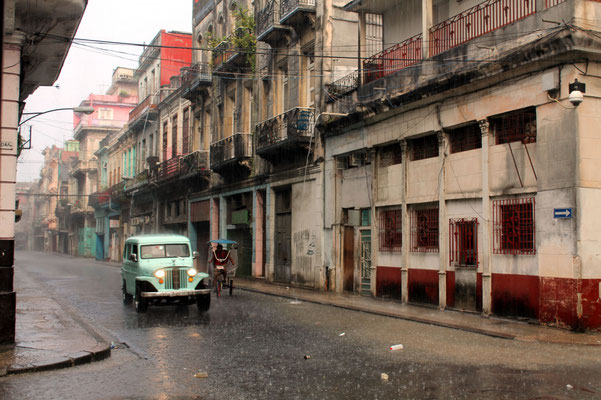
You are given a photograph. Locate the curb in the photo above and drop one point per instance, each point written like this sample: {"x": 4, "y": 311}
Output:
{"x": 97, "y": 353}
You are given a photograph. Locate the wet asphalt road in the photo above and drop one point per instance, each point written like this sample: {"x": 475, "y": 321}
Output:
{"x": 252, "y": 346}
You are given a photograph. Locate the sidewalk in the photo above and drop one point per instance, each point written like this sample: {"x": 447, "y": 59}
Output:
{"x": 47, "y": 336}
{"x": 491, "y": 326}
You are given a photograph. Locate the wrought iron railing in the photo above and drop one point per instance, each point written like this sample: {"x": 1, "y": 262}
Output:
{"x": 295, "y": 123}
{"x": 235, "y": 147}
{"x": 393, "y": 59}
{"x": 288, "y": 6}
{"x": 194, "y": 162}
{"x": 344, "y": 85}
{"x": 268, "y": 17}
{"x": 477, "y": 21}
{"x": 199, "y": 72}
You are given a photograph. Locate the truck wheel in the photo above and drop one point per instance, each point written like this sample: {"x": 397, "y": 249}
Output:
{"x": 127, "y": 298}
{"x": 139, "y": 302}
{"x": 203, "y": 302}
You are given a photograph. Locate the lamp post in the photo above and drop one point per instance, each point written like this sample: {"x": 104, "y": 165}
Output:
{"x": 26, "y": 144}
{"x": 84, "y": 110}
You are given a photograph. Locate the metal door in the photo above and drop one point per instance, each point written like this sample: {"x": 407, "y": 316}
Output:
{"x": 348, "y": 274}
{"x": 283, "y": 248}
{"x": 365, "y": 260}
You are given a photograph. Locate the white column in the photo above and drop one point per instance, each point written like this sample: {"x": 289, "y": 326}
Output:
{"x": 486, "y": 253}
{"x": 427, "y": 18}
{"x": 443, "y": 230}
{"x": 405, "y": 228}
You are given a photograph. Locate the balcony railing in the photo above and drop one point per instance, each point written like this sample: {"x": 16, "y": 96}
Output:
{"x": 168, "y": 169}
{"x": 477, "y": 21}
{"x": 268, "y": 27}
{"x": 231, "y": 149}
{"x": 138, "y": 181}
{"x": 226, "y": 55}
{"x": 343, "y": 85}
{"x": 393, "y": 59}
{"x": 193, "y": 163}
{"x": 289, "y": 7}
{"x": 287, "y": 129}
{"x": 198, "y": 75}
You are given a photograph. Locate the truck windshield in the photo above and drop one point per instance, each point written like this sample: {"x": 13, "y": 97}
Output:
{"x": 165, "y": 251}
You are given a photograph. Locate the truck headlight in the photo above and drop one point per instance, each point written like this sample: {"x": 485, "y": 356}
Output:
{"x": 192, "y": 272}
{"x": 159, "y": 273}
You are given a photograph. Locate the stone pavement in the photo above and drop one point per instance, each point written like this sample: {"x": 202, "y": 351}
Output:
{"x": 47, "y": 335}
{"x": 471, "y": 322}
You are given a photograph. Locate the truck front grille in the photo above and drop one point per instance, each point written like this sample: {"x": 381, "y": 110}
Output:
{"x": 176, "y": 278}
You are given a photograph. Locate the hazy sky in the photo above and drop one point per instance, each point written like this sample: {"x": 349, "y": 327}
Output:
{"x": 89, "y": 70}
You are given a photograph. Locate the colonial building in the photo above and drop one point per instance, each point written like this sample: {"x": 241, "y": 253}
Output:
{"x": 110, "y": 113}
{"x": 463, "y": 175}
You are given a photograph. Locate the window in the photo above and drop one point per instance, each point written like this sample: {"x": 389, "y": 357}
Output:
{"x": 514, "y": 226}
{"x": 186, "y": 132}
{"x": 174, "y": 136}
{"x": 374, "y": 33}
{"x": 390, "y": 155}
{"x": 465, "y": 138}
{"x": 391, "y": 230}
{"x": 463, "y": 242}
{"x": 165, "y": 127}
{"x": 519, "y": 126}
{"x": 424, "y": 147}
{"x": 424, "y": 229}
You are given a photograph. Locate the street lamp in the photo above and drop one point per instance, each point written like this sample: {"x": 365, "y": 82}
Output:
{"x": 84, "y": 110}
{"x": 22, "y": 143}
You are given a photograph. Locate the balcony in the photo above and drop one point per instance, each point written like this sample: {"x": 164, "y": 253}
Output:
{"x": 290, "y": 131}
{"x": 181, "y": 167}
{"x": 394, "y": 58}
{"x": 196, "y": 163}
{"x": 231, "y": 151}
{"x": 81, "y": 167}
{"x": 268, "y": 28}
{"x": 477, "y": 21}
{"x": 196, "y": 80}
{"x": 450, "y": 35}
{"x": 99, "y": 199}
{"x": 147, "y": 110}
{"x": 229, "y": 58}
{"x": 342, "y": 86}
{"x": 138, "y": 181}
{"x": 293, "y": 12}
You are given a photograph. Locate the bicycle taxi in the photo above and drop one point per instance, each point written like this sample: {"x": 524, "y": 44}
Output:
{"x": 222, "y": 262}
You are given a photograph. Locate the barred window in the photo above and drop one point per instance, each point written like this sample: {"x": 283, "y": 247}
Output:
{"x": 424, "y": 230}
{"x": 463, "y": 241}
{"x": 519, "y": 126}
{"x": 424, "y": 147}
{"x": 465, "y": 138}
{"x": 391, "y": 230}
{"x": 514, "y": 224}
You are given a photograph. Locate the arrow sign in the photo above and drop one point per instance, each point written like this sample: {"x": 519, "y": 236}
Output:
{"x": 562, "y": 213}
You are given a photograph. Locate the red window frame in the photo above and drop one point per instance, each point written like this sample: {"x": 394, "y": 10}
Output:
{"x": 424, "y": 147}
{"x": 519, "y": 126}
{"x": 463, "y": 241}
{"x": 424, "y": 230}
{"x": 391, "y": 237}
{"x": 514, "y": 226}
{"x": 465, "y": 138}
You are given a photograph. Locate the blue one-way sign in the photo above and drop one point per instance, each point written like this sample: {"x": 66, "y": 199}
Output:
{"x": 562, "y": 213}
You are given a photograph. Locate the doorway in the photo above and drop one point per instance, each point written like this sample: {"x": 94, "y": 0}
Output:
{"x": 283, "y": 229}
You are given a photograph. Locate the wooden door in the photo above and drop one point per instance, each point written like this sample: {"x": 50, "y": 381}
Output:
{"x": 348, "y": 275}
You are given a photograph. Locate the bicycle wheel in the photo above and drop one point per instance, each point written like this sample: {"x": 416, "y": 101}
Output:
{"x": 219, "y": 286}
